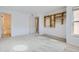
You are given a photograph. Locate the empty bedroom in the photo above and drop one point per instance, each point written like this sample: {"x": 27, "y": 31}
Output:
{"x": 39, "y": 29}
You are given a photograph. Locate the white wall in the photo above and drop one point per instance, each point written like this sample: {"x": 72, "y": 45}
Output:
{"x": 0, "y": 27}
{"x": 19, "y": 22}
{"x": 71, "y": 39}
{"x": 59, "y": 29}
{"x": 31, "y": 24}
{"x": 20, "y": 25}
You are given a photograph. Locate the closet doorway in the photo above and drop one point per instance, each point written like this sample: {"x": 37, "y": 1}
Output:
{"x": 37, "y": 24}
{"x": 5, "y": 22}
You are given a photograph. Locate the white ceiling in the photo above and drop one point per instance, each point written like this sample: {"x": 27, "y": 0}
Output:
{"x": 33, "y": 9}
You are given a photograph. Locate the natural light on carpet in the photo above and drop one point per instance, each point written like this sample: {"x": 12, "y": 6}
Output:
{"x": 20, "y": 47}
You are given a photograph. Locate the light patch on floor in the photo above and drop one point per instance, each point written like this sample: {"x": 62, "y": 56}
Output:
{"x": 20, "y": 47}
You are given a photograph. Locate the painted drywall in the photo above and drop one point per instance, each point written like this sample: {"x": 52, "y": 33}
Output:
{"x": 0, "y": 27}
{"x": 71, "y": 39}
{"x": 20, "y": 25}
{"x": 31, "y": 24}
{"x": 19, "y": 22}
{"x": 59, "y": 29}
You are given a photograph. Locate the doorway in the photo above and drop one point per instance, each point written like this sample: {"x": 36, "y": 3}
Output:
{"x": 37, "y": 24}
{"x": 5, "y": 20}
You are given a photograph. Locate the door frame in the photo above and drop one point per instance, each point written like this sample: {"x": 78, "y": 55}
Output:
{"x": 37, "y": 24}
